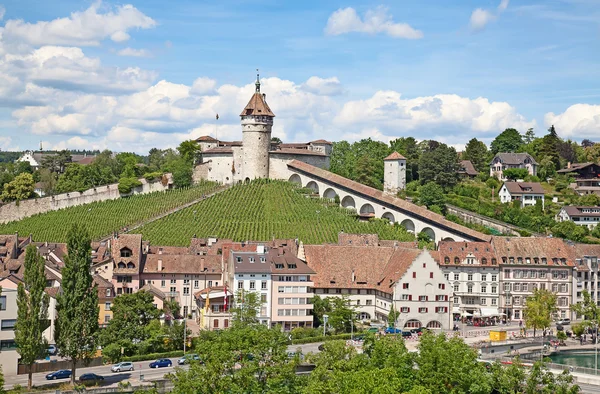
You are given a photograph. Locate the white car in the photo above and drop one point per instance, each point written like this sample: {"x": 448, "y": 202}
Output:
{"x": 120, "y": 367}
{"x": 564, "y": 322}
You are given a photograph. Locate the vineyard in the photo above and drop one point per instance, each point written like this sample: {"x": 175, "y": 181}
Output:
{"x": 260, "y": 211}
{"x": 103, "y": 218}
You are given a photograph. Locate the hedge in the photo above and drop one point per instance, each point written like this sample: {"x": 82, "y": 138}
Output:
{"x": 322, "y": 339}
{"x": 153, "y": 356}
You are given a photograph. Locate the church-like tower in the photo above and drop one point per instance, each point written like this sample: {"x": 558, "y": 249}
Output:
{"x": 394, "y": 177}
{"x": 257, "y": 122}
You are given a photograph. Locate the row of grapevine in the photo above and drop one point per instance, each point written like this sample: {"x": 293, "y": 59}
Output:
{"x": 262, "y": 210}
{"x": 103, "y": 218}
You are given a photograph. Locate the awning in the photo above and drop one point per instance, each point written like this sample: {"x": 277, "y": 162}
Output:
{"x": 455, "y": 309}
{"x": 466, "y": 314}
{"x": 489, "y": 312}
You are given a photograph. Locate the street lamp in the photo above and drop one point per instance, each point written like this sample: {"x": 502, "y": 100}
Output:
{"x": 325, "y": 317}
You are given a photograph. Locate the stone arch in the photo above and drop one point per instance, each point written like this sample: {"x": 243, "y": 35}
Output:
{"x": 247, "y": 180}
{"x": 389, "y": 216}
{"x": 429, "y": 231}
{"x": 367, "y": 209}
{"x": 450, "y": 239}
{"x": 295, "y": 178}
{"x": 313, "y": 185}
{"x": 348, "y": 202}
{"x": 434, "y": 324}
{"x": 329, "y": 194}
{"x": 409, "y": 225}
{"x": 412, "y": 323}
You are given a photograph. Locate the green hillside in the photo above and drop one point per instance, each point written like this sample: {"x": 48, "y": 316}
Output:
{"x": 102, "y": 218}
{"x": 262, "y": 210}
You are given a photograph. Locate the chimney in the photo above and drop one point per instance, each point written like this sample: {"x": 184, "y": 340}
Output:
{"x": 160, "y": 267}
{"x": 159, "y": 250}
{"x": 202, "y": 264}
{"x": 353, "y": 276}
{"x": 265, "y": 97}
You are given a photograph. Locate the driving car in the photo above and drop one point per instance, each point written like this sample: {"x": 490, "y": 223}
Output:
{"x": 60, "y": 374}
{"x": 90, "y": 377}
{"x": 51, "y": 350}
{"x": 120, "y": 367}
{"x": 161, "y": 363}
{"x": 564, "y": 322}
{"x": 187, "y": 358}
{"x": 393, "y": 330}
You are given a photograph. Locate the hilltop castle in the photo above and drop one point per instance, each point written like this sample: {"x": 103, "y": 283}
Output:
{"x": 256, "y": 156}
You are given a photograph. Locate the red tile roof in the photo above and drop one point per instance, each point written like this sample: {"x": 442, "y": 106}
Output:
{"x": 520, "y": 249}
{"x": 321, "y": 142}
{"x": 257, "y": 106}
{"x": 395, "y": 156}
{"x": 182, "y": 264}
{"x": 409, "y": 209}
{"x": 305, "y": 152}
{"x": 219, "y": 150}
{"x": 206, "y": 138}
{"x": 449, "y": 251}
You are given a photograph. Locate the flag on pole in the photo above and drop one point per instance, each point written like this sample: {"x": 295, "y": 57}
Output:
{"x": 217, "y": 116}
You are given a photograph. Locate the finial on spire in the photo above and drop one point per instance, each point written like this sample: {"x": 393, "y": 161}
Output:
{"x": 41, "y": 148}
{"x": 257, "y": 81}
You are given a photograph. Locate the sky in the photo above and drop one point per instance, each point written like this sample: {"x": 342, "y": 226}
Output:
{"x": 141, "y": 74}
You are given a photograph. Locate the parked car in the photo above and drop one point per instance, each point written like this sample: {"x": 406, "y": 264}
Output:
{"x": 90, "y": 377}
{"x": 559, "y": 327}
{"x": 187, "y": 358}
{"x": 407, "y": 333}
{"x": 120, "y": 367}
{"x": 419, "y": 330}
{"x": 564, "y": 322}
{"x": 374, "y": 330}
{"x": 51, "y": 350}
{"x": 161, "y": 363}
{"x": 393, "y": 330}
{"x": 60, "y": 374}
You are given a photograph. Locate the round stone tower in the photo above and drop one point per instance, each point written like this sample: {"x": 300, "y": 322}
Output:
{"x": 257, "y": 121}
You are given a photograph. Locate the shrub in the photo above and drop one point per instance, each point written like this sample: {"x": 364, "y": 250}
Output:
{"x": 151, "y": 176}
{"x": 492, "y": 183}
{"x": 126, "y": 185}
{"x": 321, "y": 339}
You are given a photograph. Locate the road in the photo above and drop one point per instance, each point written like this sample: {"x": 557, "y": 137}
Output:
{"x": 141, "y": 368}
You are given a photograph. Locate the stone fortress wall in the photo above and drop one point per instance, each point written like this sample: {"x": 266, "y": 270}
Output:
{"x": 22, "y": 209}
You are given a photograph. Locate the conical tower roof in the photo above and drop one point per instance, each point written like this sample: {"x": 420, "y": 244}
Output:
{"x": 257, "y": 106}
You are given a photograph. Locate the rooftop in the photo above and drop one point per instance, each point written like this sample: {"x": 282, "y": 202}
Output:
{"x": 524, "y": 187}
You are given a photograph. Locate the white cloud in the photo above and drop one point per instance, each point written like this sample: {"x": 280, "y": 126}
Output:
{"x": 76, "y": 143}
{"x": 80, "y": 28}
{"x": 578, "y": 121}
{"x": 2, "y": 12}
{"x": 323, "y": 86}
{"x": 375, "y": 21}
{"x": 134, "y": 52}
{"x": 204, "y": 85}
{"x": 481, "y": 17}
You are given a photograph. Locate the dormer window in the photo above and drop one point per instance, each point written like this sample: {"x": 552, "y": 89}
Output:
{"x": 251, "y": 259}
{"x": 126, "y": 252}
{"x": 279, "y": 266}
{"x": 483, "y": 261}
{"x": 456, "y": 260}
{"x": 262, "y": 259}
{"x": 239, "y": 259}
{"x": 447, "y": 260}
{"x": 494, "y": 262}
{"x": 130, "y": 265}
{"x": 544, "y": 260}
{"x": 292, "y": 266}
{"x": 121, "y": 265}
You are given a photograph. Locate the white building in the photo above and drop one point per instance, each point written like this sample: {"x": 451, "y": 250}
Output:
{"x": 583, "y": 216}
{"x": 256, "y": 156}
{"x": 526, "y": 192}
{"x": 505, "y": 161}
{"x": 473, "y": 272}
{"x": 394, "y": 178}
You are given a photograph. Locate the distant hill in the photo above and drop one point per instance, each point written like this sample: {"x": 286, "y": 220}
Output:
{"x": 260, "y": 211}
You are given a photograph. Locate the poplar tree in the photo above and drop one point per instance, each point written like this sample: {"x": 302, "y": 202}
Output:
{"x": 77, "y": 304}
{"x": 32, "y": 313}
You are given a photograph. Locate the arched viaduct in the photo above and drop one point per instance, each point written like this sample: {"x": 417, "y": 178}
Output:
{"x": 370, "y": 202}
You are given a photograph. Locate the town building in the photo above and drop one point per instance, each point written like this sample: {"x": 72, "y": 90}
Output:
{"x": 466, "y": 169}
{"x": 473, "y": 272}
{"x": 256, "y": 156}
{"x": 528, "y": 193}
{"x": 394, "y": 177}
{"x": 585, "y": 272}
{"x": 583, "y": 216}
{"x": 504, "y": 161}
{"x": 36, "y": 158}
{"x": 587, "y": 177}
{"x": 106, "y": 297}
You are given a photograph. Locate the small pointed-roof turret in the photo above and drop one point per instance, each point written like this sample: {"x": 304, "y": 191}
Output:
{"x": 257, "y": 105}
{"x": 395, "y": 156}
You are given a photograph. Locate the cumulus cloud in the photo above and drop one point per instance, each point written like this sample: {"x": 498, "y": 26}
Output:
{"x": 481, "y": 17}
{"x": 80, "y": 28}
{"x": 378, "y": 20}
{"x": 2, "y": 12}
{"x": 578, "y": 121}
{"x": 204, "y": 85}
{"x": 323, "y": 86}
{"x": 134, "y": 52}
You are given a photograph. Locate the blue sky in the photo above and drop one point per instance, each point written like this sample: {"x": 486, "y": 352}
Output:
{"x": 131, "y": 76}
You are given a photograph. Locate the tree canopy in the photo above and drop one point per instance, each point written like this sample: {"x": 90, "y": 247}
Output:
{"x": 510, "y": 140}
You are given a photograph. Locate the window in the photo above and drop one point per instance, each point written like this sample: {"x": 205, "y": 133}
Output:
{"x": 216, "y": 323}
{"x": 106, "y": 319}
{"x": 107, "y": 306}
{"x": 404, "y": 297}
{"x": 494, "y": 278}
{"x": 494, "y": 301}
{"x": 252, "y": 285}
{"x": 263, "y": 298}
{"x": 241, "y": 284}
{"x": 441, "y": 309}
{"x": 484, "y": 261}
{"x": 173, "y": 281}
{"x": 563, "y": 288}
{"x": 423, "y": 298}
{"x": 186, "y": 291}
{"x": 456, "y": 301}
{"x": 357, "y": 302}
{"x": 369, "y": 302}
{"x": 431, "y": 275}
{"x": 484, "y": 277}
{"x": 108, "y": 292}
{"x": 447, "y": 276}
{"x": 456, "y": 260}
{"x": 555, "y": 288}
{"x": 456, "y": 276}
{"x": 2, "y": 303}
{"x": 238, "y": 259}
{"x": 8, "y": 324}
{"x": 542, "y": 274}
{"x": 456, "y": 288}
{"x": 470, "y": 277}
{"x": 8, "y": 344}
{"x": 441, "y": 286}
{"x": 469, "y": 288}
{"x": 517, "y": 300}
{"x": 506, "y": 274}
{"x": 125, "y": 252}
{"x": 263, "y": 285}
{"x": 494, "y": 261}
{"x": 196, "y": 284}
{"x": 484, "y": 301}
{"x": 404, "y": 309}
{"x": 173, "y": 290}
{"x": 405, "y": 285}
{"x": 517, "y": 287}
{"x": 447, "y": 260}
{"x": 414, "y": 275}
{"x": 422, "y": 310}
{"x": 494, "y": 289}
{"x": 440, "y": 297}
{"x": 483, "y": 289}
{"x": 186, "y": 282}
{"x": 507, "y": 287}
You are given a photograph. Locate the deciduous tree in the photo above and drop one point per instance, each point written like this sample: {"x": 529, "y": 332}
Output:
{"x": 539, "y": 309}
{"x": 247, "y": 307}
{"x": 20, "y": 188}
{"x": 439, "y": 164}
{"x": 432, "y": 194}
{"x": 32, "y": 311}
{"x": 510, "y": 140}
{"x": 77, "y": 304}
{"x": 515, "y": 173}
{"x": 477, "y": 152}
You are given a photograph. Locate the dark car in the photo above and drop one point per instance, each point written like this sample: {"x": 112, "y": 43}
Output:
{"x": 407, "y": 333}
{"x": 90, "y": 377}
{"x": 392, "y": 330}
{"x": 420, "y": 331}
{"x": 61, "y": 374}
{"x": 161, "y": 363}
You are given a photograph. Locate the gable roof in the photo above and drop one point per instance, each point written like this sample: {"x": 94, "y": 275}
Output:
{"x": 395, "y": 156}
{"x": 550, "y": 248}
{"x": 206, "y": 138}
{"x": 575, "y": 167}
{"x": 182, "y": 263}
{"x": 524, "y": 187}
{"x": 401, "y": 205}
{"x": 479, "y": 250}
{"x": 577, "y": 211}
{"x": 321, "y": 141}
{"x": 513, "y": 158}
{"x": 154, "y": 291}
{"x": 468, "y": 168}
{"x": 257, "y": 106}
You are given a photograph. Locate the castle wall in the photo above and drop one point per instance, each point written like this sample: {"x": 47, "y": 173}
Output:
{"x": 17, "y": 211}
{"x": 278, "y": 168}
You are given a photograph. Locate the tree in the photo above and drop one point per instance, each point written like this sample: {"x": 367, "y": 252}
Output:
{"x": 432, "y": 194}
{"x": 276, "y": 140}
{"x": 588, "y": 309}
{"x": 172, "y": 309}
{"x": 393, "y": 316}
{"x": 247, "y": 307}
{"x": 20, "y": 188}
{"x": 342, "y": 314}
{"x": 48, "y": 181}
{"x": 550, "y": 147}
{"x": 515, "y": 173}
{"x": 529, "y": 136}
{"x": 508, "y": 141}
{"x": 539, "y": 309}
{"x": 477, "y": 152}
{"x": 189, "y": 150}
{"x": 409, "y": 148}
{"x": 366, "y": 172}
{"x": 77, "y": 304}
{"x": 439, "y": 164}
{"x": 132, "y": 313}
{"x": 570, "y": 230}
{"x": 32, "y": 311}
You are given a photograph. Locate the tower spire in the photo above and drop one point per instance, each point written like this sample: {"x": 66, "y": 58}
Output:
{"x": 257, "y": 81}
